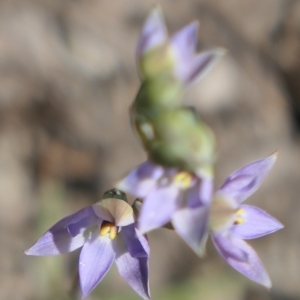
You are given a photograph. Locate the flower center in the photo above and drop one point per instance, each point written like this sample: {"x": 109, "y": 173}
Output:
{"x": 185, "y": 179}
{"x": 225, "y": 213}
{"x": 109, "y": 228}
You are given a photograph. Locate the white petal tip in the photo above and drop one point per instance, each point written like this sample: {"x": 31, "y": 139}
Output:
{"x": 200, "y": 252}
{"x": 156, "y": 13}
{"x": 194, "y": 25}
{"x": 268, "y": 285}
{"x": 32, "y": 253}
{"x": 218, "y": 53}
{"x": 143, "y": 230}
{"x": 274, "y": 155}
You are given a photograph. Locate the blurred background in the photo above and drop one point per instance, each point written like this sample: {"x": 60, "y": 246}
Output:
{"x": 67, "y": 78}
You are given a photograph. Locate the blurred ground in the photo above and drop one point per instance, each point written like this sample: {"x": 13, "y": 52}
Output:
{"x": 67, "y": 78}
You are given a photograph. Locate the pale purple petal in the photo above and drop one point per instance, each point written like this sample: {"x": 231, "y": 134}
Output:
{"x": 200, "y": 193}
{"x": 134, "y": 271}
{"x": 136, "y": 243}
{"x": 58, "y": 239}
{"x": 154, "y": 33}
{"x": 195, "y": 68}
{"x": 228, "y": 247}
{"x": 184, "y": 42}
{"x": 141, "y": 180}
{"x": 192, "y": 221}
{"x": 192, "y": 226}
{"x": 88, "y": 219}
{"x": 158, "y": 207}
{"x": 231, "y": 249}
{"x": 244, "y": 182}
{"x": 192, "y": 197}
{"x": 55, "y": 244}
{"x": 256, "y": 223}
{"x": 96, "y": 258}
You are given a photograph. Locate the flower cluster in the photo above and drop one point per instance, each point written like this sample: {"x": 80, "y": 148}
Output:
{"x": 175, "y": 186}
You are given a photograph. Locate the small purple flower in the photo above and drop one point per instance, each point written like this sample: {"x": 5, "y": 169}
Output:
{"x": 107, "y": 232}
{"x": 179, "y": 51}
{"x": 170, "y": 195}
{"x": 231, "y": 222}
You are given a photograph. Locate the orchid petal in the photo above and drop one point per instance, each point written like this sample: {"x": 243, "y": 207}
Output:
{"x": 79, "y": 227}
{"x": 201, "y": 193}
{"x": 256, "y": 223}
{"x": 184, "y": 41}
{"x": 154, "y": 33}
{"x": 141, "y": 180}
{"x": 159, "y": 207}
{"x": 95, "y": 260}
{"x": 242, "y": 258}
{"x": 195, "y": 68}
{"x": 133, "y": 270}
{"x": 229, "y": 247}
{"x": 192, "y": 196}
{"x": 121, "y": 211}
{"x": 244, "y": 182}
{"x": 59, "y": 240}
{"x": 136, "y": 243}
{"x": 192, "y": 226}
{"x": 57, "y": 243}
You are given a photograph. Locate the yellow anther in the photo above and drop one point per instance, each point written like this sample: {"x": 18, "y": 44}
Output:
{"x": 240, "y": 212}
{"x": 113, "y": 232}
{"x": 110, "y": 228}
{"x": 239, "y": 221}
{"x": 184, "y": 178}
{"x": 105, "y": 228}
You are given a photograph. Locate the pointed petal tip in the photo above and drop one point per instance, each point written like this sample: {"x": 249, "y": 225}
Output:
{"x": 279, "y": 225}
{"x": 156, "y": 11}
{"x": 274, "y": 155}
{"x": 201, "y": 251}
{"x": 202, "y": 64}
{"x": 193, "y": 26}
{"x": 143, "y": 229}
{"x": 268, "y": 285}
{"x": 156, "y": 17}
{"x": 217, "y": 54}
{"x": 84, "y": 295}
{"x": 270, "y": 160}
{"x": 31, "y": 252}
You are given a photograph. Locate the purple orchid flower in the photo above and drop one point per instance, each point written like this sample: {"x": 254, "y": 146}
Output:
{"x": 179, "y": 50}
{"x": 231, "y": 222}
{"x": 170, "y": 195}
{"x": 107, "y": 232}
